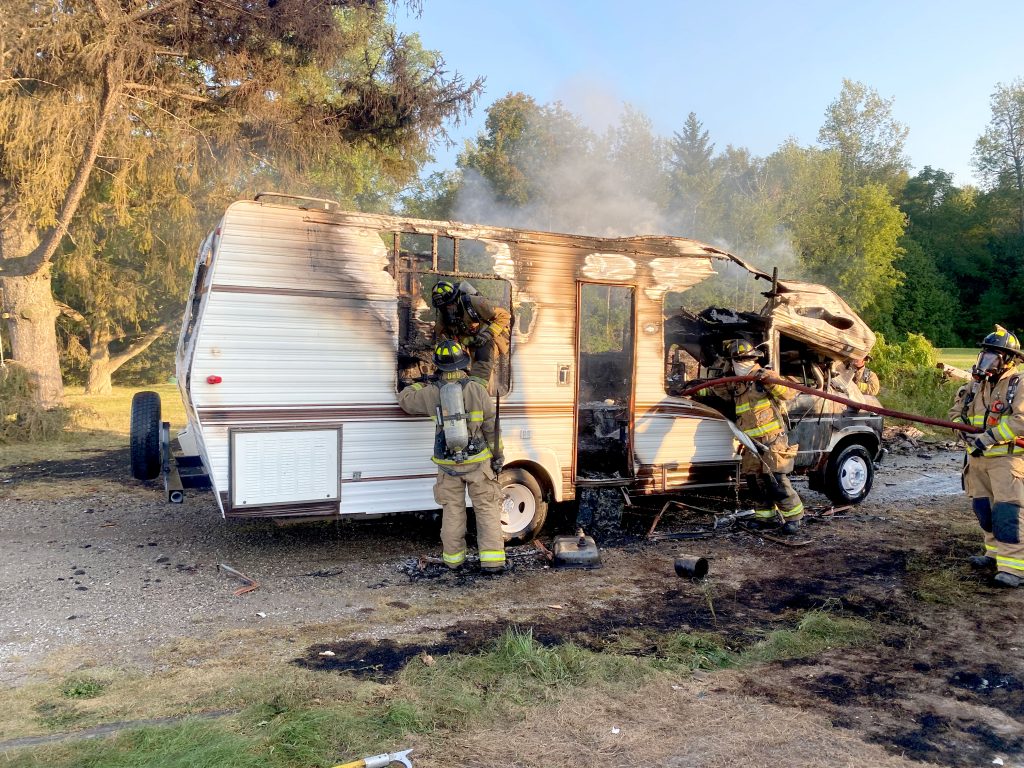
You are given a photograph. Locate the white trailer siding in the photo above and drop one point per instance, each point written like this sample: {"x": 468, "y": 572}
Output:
{"x": 300, "y": 321}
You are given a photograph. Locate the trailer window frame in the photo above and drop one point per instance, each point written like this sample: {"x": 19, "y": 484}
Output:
{"x": 404, "y": 266}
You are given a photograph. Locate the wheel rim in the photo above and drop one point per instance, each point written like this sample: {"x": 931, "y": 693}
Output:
{"x": 853, "y": 476}
{"x": 518, "y": 508}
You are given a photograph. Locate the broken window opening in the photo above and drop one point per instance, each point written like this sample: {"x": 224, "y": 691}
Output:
{"x": 605, "y": 384}
{"x": 421, "y": 260}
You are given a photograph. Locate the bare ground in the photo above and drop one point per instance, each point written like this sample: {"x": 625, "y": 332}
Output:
{"x": 94, "y": 567}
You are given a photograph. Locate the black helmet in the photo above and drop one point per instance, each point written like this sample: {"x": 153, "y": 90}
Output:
{"x": 1001, "y": 340}
{"x": 451, "y": 356}
{"x": 443, "y": 293}
{"x": 740, "y": 349}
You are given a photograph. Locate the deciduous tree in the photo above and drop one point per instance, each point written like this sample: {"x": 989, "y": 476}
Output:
{"x": 244, "y": 90}
{"x": 860, "y": 126}
{"x": 999, "y": 151}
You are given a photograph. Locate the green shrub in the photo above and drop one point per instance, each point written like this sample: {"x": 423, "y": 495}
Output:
{"x": 910, "y": 380}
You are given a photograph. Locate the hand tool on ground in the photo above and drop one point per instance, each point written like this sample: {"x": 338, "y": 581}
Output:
{"x": 381, "y": 761}
{"x": 250, "y": 583}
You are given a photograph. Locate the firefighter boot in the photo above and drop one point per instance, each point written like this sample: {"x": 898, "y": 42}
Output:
{"x": 790, "y": 528}
{"x": 1008, "y": 580}
{"x": 982, "y": 562}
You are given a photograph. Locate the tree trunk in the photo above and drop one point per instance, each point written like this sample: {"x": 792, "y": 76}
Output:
{"x": 100, "y": 367}
{"x": 32, "y": 331}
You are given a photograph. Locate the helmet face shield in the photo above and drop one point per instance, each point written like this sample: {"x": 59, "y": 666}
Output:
{"x": 989, "y": 362}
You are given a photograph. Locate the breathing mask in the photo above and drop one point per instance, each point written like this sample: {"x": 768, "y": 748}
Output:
{"x": 743, "y": 367}
{"x": 990, "y": 363}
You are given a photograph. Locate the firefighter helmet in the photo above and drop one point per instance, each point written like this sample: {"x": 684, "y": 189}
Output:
{"x": 451, "y": 356}
{"x": 1001, "y": 340}
{"x": 741, "y": 349}
{"x": 443, "y": 293}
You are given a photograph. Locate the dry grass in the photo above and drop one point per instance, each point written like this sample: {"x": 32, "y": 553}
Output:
{"x": 706, "y": 721}
{"x": 99, "y": 423}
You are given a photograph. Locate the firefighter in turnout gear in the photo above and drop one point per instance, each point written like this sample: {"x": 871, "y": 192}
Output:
{"x": 465, "y": 316}
{"x": 994, "y": 473}
{"x": 866, "y": 379}
{"x": 759, "y": 414}
{"x": 463, "y": 414}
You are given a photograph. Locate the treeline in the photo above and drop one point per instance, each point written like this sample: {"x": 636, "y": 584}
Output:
{"x": 913, "y": 254}
{"x": 126, "y": 128}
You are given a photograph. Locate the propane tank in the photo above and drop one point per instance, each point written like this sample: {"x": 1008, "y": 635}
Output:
{"x": 453, "y": 415}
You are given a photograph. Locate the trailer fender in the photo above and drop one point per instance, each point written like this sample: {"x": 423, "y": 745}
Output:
{"x": 545, "y": 459}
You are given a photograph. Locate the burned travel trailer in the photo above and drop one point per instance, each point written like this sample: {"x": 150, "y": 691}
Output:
{"x": 303, "y": 318}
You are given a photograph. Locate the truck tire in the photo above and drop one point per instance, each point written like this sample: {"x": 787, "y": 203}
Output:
{"x": 849, "y": 475}
{"x": 144, "y": 435}
{"x": 523, "y": 508}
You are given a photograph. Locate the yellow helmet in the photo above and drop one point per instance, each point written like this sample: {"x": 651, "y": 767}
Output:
{"x": 451, "y": 356}
{"x": 740, "y": 349}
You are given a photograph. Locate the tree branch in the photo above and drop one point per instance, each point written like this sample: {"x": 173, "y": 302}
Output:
{"x": 145, "y": 13}
{"x": 71, "y": 312}
{"x": 167, "y": 92}
{"x": 43, "y": 253}
{"x": 138, "y": 347}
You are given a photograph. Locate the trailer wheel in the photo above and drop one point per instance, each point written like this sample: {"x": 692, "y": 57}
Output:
{"x": 145, "y": 435}
{"x": 523, "y": 508}
{"x": 849, "y": 475}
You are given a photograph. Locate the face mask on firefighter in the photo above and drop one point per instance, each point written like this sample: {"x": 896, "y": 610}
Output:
{"x": 989, "y": 363}
{"x": 743, "y": 367}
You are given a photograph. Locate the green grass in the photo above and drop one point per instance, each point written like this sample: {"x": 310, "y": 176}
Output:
{"x": 959, "y": 357}
{"x": 82, "y": 688}
{"x": 818, "y": 631}
{"x": 303, "y": 719}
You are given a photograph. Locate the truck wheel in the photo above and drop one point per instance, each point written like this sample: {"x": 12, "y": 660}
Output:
{"x": 849, "y": 475}
{"x": 145, "y": 435}
{"x": 523, "y": 509}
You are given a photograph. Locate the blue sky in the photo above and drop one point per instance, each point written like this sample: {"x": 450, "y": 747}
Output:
{"x": 754, "y": 72}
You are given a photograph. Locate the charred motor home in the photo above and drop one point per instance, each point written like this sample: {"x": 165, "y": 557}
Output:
{"x": 302, "y": 318}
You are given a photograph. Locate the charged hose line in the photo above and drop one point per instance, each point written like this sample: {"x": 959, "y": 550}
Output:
{"x": 958, "y": 426}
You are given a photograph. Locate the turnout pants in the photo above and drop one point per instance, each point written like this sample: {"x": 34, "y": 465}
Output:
{"x": 485, "y": 493}
{"x": 767, "y": 477}
{"x": 996, "y": 487}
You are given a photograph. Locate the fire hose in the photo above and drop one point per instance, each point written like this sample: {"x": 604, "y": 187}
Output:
{"x": 768, "y": 379}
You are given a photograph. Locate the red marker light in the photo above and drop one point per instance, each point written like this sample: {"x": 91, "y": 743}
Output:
{"x": 213, "y": 379}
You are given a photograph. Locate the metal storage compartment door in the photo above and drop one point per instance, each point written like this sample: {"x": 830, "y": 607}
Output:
{"x": 293, "y": 466}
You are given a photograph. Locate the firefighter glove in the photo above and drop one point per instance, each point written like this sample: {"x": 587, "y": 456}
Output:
{"x": 978, "y": 447}
{"x": 760, "y": 374}
{"x": 497, "y": 462}
{"x": 483, "y": 338}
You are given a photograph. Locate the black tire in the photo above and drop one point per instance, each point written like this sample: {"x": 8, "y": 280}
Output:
{"x": 145, "y": 435}
{"x": 849, "y": 475}
{"x": 523, "y": 508}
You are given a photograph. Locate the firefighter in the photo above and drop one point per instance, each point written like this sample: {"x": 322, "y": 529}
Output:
{"x": 994, "y": 473}
{"x": 866, "y": 379}
{"x": 759, "y": 413}
{"x": 463, "y": 413}
{"x": 465, "y": 316}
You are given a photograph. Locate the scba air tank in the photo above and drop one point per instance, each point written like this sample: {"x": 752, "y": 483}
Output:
{"x": 453, "y": 414}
